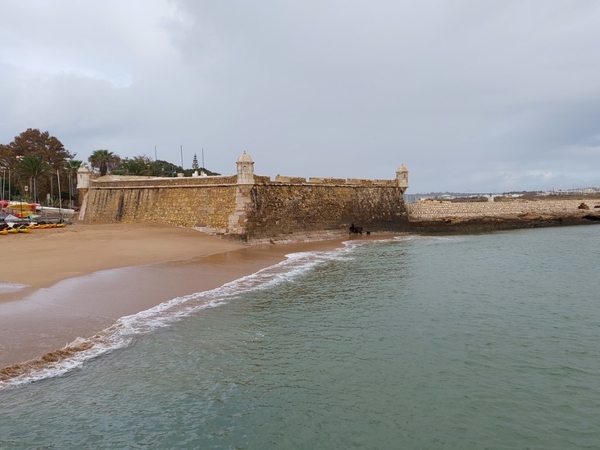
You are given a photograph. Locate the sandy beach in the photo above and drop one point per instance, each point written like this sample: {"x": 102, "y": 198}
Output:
{"x": 80, "y": 279}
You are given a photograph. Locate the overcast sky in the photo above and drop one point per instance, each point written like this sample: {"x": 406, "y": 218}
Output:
{"x": 470, "y": 95}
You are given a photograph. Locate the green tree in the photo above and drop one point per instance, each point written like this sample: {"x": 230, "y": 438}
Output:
{"x": 33, "y": 142}
{"x": 138, "y": 165}
{"x": 71, "y": 167}
{"x": 161, "y": 168}
{"x": 104, "y": 161}
{"x": 5, "y": 169}
{"x": 32, "y": 167}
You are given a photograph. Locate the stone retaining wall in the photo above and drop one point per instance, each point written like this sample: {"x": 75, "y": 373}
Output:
{"x": 432, "y": 211}
{"x": 207, "y": 207}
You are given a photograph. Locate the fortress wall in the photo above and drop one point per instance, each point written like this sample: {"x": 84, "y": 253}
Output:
{"x": 282, "y": 209}
{"x": 254, "y": 209}
{"x": 432, "y": 211}
{"x": 208, "y": 206}
{"x": 253, "y": 212}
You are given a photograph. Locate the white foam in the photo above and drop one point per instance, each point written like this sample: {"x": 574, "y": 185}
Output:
{"x": 10, "y": 287}
{"x": 122, "y": 332}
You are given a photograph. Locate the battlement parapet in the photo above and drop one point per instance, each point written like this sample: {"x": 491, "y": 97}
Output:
{"x": 333, "y": 181}
{"x": 290, "y": 180}
{"x": 262, "y": 179}
{"x": 364, "y": 182}
{"x": 116, "y": 181}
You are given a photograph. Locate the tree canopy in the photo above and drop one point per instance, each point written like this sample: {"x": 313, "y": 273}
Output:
{"x": 34, "y": 158}
{"x": 32, "y": 167}
{"x": 104, "y": 161}
{"x": 33, "y": 155}
{"x": 33, "y": 142}
{"x": 138, "y": 165}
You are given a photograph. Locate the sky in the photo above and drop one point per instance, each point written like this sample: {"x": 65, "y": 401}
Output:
{"x": 470, "y": 95}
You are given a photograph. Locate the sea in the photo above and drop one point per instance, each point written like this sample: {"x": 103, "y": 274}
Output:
{"x": 488, "y": 341}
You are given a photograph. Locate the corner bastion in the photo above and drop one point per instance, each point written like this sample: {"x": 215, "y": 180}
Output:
{"x": 250, "y": 207}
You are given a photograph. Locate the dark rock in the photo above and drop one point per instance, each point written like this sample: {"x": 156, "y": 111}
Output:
{"x": 592, "y": 218}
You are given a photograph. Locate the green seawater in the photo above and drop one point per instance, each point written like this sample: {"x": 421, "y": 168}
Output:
{"x": 462, "y": 342}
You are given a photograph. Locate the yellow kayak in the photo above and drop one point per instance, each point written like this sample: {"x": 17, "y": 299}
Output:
{"x": 12, "y": 230}
{"x": 23, "y": 230}
{"x": 4, "y": 231}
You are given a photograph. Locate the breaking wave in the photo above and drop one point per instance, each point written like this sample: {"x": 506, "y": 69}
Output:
{"x": 123, "y": 331}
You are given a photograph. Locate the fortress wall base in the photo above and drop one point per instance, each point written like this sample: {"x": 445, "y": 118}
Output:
{"x": 278, "y": 210}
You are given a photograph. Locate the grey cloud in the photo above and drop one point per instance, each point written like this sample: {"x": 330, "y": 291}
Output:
{"x": 470, "y": 95}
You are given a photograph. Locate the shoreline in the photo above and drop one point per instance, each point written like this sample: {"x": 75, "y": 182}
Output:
{"x": 53, "y": 311}
{"x": 82, "y": 279}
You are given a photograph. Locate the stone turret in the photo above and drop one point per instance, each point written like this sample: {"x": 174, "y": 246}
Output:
{"x": 83, "y": 177}
{"x": 83, "y": 182}
{"x": 402, "y": 178}
{"x": 245, "y": 169}
{"x": 238, "y": 221}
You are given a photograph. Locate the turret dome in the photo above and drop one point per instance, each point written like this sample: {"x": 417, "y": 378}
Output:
{"x": 244, "y": 157}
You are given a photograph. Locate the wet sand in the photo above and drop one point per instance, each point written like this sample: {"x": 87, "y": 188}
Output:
{"x": 82, "y": 278}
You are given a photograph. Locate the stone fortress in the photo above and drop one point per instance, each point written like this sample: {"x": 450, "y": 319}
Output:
{"x": 249, "y": 207}
{"x": 256, "y": 209}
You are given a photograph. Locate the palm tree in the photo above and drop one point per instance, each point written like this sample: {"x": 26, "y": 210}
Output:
{"x": 71, "y": 166}
{"x": 32, "y": 167}
{"x": 139, "y": 165}
{"x": 104, "y": 161}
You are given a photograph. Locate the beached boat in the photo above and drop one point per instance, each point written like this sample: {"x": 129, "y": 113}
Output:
{"x": 21, "y": 209}
{"x": 24, "y": 210}
{"x": 47, "y": 213}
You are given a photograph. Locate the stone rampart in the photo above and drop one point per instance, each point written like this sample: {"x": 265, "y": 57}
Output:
{"x": 205, "y": 206}
{"x": 260, "y": 210}
{"x": 284, "y": 209}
